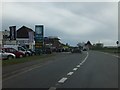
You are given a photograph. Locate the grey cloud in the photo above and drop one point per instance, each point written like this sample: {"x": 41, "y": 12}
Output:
{"x": 72, "y": 22}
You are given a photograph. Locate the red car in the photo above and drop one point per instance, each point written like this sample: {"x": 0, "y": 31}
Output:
{"x": 14, "y": 51}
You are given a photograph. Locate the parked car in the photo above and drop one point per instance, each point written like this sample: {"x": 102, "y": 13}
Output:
{"x": 32, "y": 51}
{"x": 19, "y": 48}
{"x": 4, "y": 55}
{"x": 29, "y": 51}
{"x": 17, "y": 53}
{"x": 22, "y": 49}
{"x": 47, "y": 51}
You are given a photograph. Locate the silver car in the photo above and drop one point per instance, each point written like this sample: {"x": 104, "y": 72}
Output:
{"x": 5, "y": 55}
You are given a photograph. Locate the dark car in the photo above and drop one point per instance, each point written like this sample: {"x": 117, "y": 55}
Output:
{"x": 14, "y": 51}
{"x": 47, "y": 51}
{"x": 76, "y": 50}
{"x": 84, "y": 49}
{"x": 32, "y": 51}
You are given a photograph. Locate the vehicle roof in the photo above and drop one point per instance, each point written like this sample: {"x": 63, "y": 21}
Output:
{"x": 8, "y": 48}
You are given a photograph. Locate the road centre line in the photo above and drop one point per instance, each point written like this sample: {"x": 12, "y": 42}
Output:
{"x": 52, "y": 88}
{"x": 85, "y": 59}
{"x": 78, "y": 66}
{"x": 75, "y": 69}
{"x": 62, "y": 80}
{"x": 70, "y": 73}
{"x": 80, "y": 63}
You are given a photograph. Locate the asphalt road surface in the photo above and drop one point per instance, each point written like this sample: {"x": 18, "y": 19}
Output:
{"x": 87, "y": 70}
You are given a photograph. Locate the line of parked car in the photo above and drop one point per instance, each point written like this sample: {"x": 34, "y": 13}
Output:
{"x": 9, "y": 52}
{"x": 16, "y": 51}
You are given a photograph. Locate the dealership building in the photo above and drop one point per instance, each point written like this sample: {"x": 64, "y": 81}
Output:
{"x": 26, "y": 36}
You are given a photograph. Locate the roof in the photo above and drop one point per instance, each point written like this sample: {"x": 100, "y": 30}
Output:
{"x": 54, "y": 37}
{"x": 23, "y": 32}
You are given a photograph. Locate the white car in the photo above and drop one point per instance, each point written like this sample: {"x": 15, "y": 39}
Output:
{"x": 5, "y": 55}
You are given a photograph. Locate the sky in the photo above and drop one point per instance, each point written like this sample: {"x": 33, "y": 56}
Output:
{"x": 72, "y": 22}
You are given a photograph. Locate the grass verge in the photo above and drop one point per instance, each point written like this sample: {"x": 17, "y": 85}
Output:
{"x": 109, "y": 51}
{"x": 24, "y": 59}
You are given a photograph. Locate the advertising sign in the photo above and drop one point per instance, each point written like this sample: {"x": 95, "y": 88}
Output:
{"x": 39, "y": 38}
{"x": 31, "y": 37}
{"x": 12, "y": 32}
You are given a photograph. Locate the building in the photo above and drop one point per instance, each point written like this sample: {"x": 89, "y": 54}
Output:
{"x": 87, "y": 45}
{"x": 25, "y": 36}
{"x": 53, "y": 42}
{"x": 99, "y": 45}
{"x": 1, "y": 37}
{"x": 6, "y": 38}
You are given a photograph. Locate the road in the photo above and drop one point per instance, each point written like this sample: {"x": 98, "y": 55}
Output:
{"x": 90, "y": 69}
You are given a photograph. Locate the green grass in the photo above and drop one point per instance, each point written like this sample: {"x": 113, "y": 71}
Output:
{"x": 24, "y": 59}
{"x": 108, "y": 50}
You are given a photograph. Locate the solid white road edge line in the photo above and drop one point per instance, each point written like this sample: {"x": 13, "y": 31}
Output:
{"x": 62, "y": 80}
{"x": 70, "y": 73}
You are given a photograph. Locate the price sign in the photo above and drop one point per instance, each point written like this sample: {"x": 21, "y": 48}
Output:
{"x": 39, "y": 38}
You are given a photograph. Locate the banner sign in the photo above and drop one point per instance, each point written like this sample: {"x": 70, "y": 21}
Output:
{"x": 12, "y": 32}
{"x": 31, "y": 37}
{"x": 39, "y": 38}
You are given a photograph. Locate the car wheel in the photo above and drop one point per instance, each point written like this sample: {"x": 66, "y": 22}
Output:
{"x": 10, "y": 57}
{"x": 27, "y": 54}
{"x": 21, "y": 56}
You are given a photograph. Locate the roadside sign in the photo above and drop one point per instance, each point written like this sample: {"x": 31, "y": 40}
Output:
{"x": 12, "y": 32}
{"x": 39, "y": 38}
{"x": 31, "y": 37}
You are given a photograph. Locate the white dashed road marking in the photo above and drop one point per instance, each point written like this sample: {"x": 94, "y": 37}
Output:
{"x": 78, "y": 66}
{"x": 52, "y": 88}
{"x": 62, "y": 80}
{"x": 70, "y": 73}
{"x": 75, "y": 69}
{"x": 84, "y": 59}
{"x": 80, "y": 63}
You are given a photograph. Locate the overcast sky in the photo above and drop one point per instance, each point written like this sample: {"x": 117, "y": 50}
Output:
{"x": 72, "y": 22}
